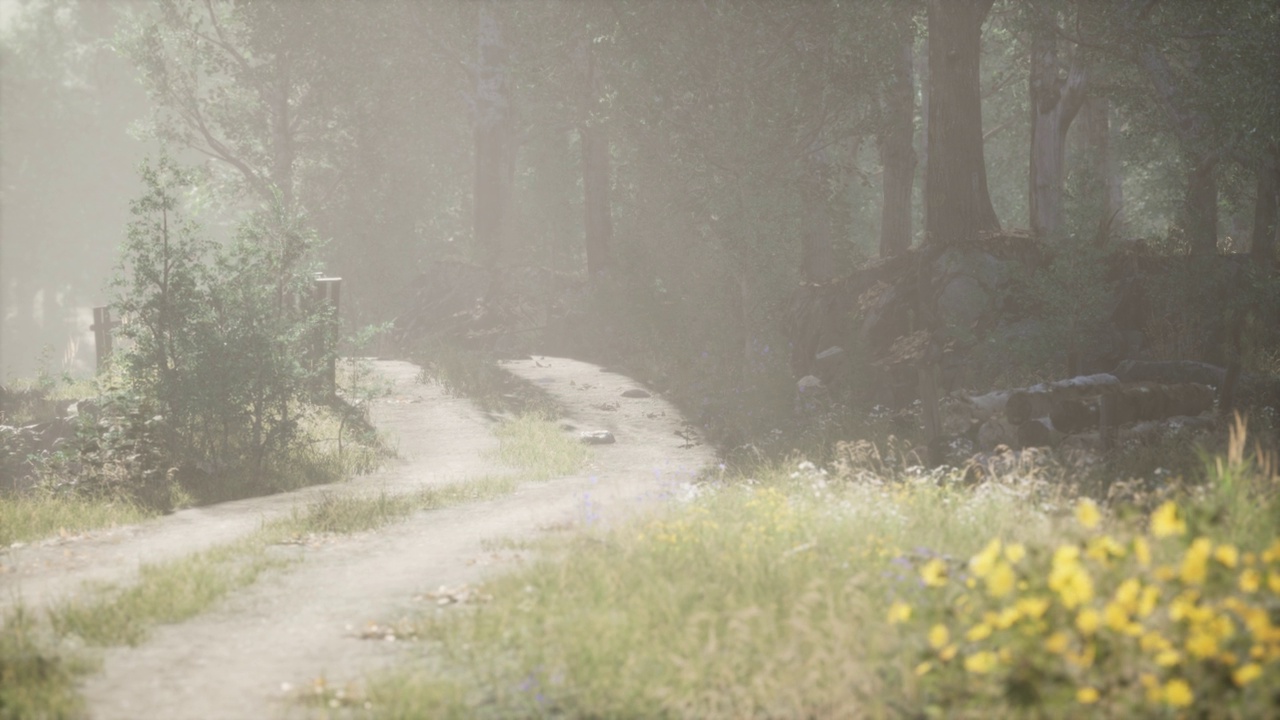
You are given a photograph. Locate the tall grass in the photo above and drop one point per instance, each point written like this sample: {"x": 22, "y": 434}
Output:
{"x": 34, "y": 515}
{"x": 758, "y": 599}
{"x": 538, "y": 447}
{"x": 880, "y": 590}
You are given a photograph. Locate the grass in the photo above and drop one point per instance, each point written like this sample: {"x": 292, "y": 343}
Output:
{"x": 166, "y": 592}
{"x": 37, "y": 678}
{"x": 539, "y": 448}
{"x": 874, "y": 591}
{"x": 31, "y": 516}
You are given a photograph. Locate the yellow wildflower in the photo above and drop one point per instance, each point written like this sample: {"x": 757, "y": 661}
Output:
{"x": 1246, "y": 674}
{"x": 1272, "y": 554}
{"x": 1104, "y": 548}
{"x": 948, "y": 652}
{"x": 981, "y": 663}
{"x": 1057, "y": 642}
{"x": 1086, "y": 696}
{"x": 1227, "y": 555}
{"x": 1033, "y": 607}
{"x": 978, "y": 632}
{"x": 1250, "y": 580}
{"x": 1116, "y": 616}
{"x": 1147, "y": 604}
{"x": 1000, "y": 580}
{"x": 1165, "y": 521}
{"x": 1273, "y": 582}
{"x": 1087, "y": 621}
{"x": 1202, "y": 644}
{"x": 1007, "y": 618}
{"x": 923, "y": 668}
{"x": 1014, "y": 552}
{"x": 934, "y": 573}
{"x": 899, "y": 612}
{"x": 1195, "y": 562}
{"x": 939, "y": 636}
{"x": 1142, "y": 551}
{"x": 1127, "y": 594}
{"x": 1168, "y": 658}
{"x": 1069, "y": 579}
{"x": 1178, "y": 693}
{"x": 982, "y": 563}
{"x": 1154, "y": 641}
{"x": 1087, "y": 514}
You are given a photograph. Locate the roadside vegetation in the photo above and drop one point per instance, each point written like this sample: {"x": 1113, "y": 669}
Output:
{"x": 875, "y": 588}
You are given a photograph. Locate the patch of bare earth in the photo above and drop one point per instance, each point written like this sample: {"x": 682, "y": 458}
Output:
{"x": 314, "y": 619}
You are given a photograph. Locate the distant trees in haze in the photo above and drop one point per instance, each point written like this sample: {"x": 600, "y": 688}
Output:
{"x": 708, "y": 154}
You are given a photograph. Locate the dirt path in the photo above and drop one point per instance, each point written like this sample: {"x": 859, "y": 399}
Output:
{"x": 237, "y": 660}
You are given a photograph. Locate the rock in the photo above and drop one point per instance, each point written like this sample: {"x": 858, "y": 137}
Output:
{"x": 808, "y": 383}
{"x": 635, "y": 393}
{"x": 597, "y": 437}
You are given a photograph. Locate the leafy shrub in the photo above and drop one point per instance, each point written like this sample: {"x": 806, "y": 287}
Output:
{"x": 216, "y": 339}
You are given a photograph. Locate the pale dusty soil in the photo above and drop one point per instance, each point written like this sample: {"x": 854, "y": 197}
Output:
{"x": 304, "y": 622}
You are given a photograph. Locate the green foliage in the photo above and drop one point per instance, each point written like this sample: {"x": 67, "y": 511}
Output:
{"x": 222, "y": 346}
{"x": 878, "y": 589}
{"x": 37, "y": 679}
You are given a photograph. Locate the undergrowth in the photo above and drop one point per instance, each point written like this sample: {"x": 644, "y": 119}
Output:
{"x": 878, "y": 589}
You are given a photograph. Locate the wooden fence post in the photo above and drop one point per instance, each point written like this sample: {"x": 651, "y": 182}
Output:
{"x": 327, "y": 297}
{"x": 101, "y": 327}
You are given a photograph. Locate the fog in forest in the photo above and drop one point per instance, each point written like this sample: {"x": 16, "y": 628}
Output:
{"x": 639, "y": 358}
{"x": 717, "y": 192}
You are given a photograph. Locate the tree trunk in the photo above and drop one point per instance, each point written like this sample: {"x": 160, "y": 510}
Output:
{"x": 1054, "y": 104}
{"x": 897, "y": 153}
{"x": 956, "y": 196}
{"x": 817, "y": 253}
{"x": 598, "y": 222}
{"x": 1262, "y": 248}
{"x": 1200, "y": 204}
{"x": 1104, "y": 169}
{"x": 921, "y": 64}
{"x": 493, "y": 151}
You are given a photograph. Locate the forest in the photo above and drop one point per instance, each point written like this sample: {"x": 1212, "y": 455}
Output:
{"x": 710, "y": 193}
{"x": 942, "y": 245}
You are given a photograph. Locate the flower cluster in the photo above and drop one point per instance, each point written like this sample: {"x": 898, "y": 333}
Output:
{"x": 1161, "y": 619}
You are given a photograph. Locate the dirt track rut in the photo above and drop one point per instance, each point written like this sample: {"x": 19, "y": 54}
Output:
{"x": 238, "y": 660}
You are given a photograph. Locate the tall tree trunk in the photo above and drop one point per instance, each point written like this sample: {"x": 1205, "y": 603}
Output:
{"x": 817, "y": 255}
{"x": 493, "y": 151}
{"x": 921, "y": 65}
{"x": 1054, "y": 104}
{"x": 598, "y": 221}
{"x": 1104, "y": 169}
{"x": 1263, "y": 248}
{"x": 957, "y": 200}
{"x": 1200, "y": 204}
{"x": 897, "y": 152}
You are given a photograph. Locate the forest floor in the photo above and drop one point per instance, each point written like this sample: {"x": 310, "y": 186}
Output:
{"x": 250, "y": 653}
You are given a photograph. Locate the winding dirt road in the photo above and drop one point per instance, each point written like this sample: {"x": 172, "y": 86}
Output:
{"x": 239, "y": 659}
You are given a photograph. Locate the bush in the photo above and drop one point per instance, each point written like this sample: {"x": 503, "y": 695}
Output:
{"x": 216, "y": 340}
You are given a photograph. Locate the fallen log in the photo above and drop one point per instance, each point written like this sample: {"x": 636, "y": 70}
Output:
{"x": 1037, "y": 401}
